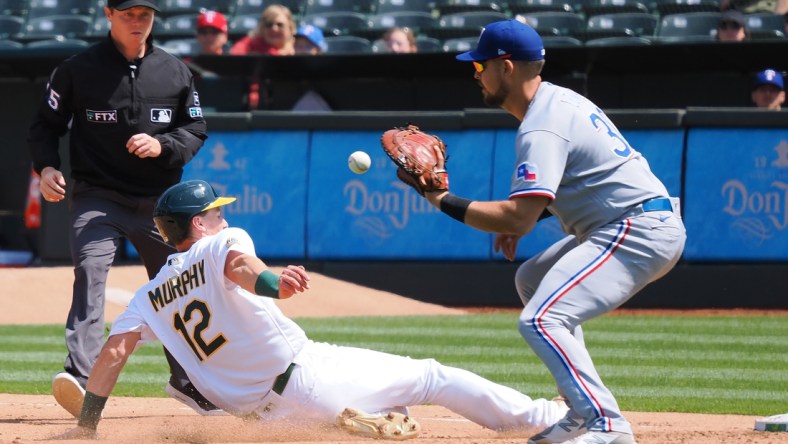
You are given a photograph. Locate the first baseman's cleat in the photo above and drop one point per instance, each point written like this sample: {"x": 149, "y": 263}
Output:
{"x": 201, "y": 406}
{"x": 597, "y": 437}
{"x": 68, "y": 393}
{"x": 394, "y": 426}
{"x": 568, "y": 427}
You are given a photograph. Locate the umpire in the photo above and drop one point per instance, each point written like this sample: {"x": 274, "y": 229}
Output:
{"x": 135, "y": 121}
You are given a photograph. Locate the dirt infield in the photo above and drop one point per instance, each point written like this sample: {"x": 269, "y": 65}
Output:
{"x": 37, "y": 419}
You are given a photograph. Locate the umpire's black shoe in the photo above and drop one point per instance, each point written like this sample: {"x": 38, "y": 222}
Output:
{"x": 194, "y": 399}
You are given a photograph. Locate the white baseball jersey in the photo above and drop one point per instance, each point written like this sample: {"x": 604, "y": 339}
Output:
{"x": 233, "y": 344}
{"x": 210, "y": 324}
{"x": 568, "y": 150}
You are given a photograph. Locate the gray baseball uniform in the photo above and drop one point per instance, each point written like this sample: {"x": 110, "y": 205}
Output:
{"x": 624, "y": 233}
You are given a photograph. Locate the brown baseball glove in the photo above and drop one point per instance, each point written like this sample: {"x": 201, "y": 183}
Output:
{"x": 421, "y": 158}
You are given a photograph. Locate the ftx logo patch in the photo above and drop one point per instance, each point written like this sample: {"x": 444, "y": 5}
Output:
{"x": 161, "y": 115}
{"x": 526, "y": 172}
{"x": 110, "y": 116}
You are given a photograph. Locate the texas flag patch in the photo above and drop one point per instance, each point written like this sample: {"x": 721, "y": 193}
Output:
{"x": 526, "y": 172}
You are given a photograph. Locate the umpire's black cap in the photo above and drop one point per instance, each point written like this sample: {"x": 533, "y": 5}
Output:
{"x": 122, "y": 5}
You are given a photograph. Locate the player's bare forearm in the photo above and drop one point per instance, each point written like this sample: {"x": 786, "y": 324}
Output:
{"x": 244, "y": 270}
{"x": 515, "y": 217}
{"x": 113, "y": 357}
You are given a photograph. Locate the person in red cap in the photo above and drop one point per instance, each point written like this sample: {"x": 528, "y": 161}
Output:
{"x": 212, "y": 33}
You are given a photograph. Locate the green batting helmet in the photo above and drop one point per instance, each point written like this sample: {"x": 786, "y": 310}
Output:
{"x": 176, "y": 207}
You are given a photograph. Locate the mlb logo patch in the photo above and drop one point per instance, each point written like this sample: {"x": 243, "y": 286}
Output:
{"x": 526, "y": 172}
{"x": 161, "y": 115}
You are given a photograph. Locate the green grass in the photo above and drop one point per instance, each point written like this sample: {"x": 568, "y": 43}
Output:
{"x": 698, "y": 364}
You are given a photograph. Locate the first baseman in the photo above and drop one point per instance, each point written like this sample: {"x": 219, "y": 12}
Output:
{"x": 212, "y": 306}
{"x": 624, "y": 230}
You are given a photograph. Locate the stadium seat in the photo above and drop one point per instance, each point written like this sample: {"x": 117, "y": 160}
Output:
{"x": 417, "y": 21}
{"x": 639, "y": 23}
{"x": 428, "y": 44}
{"x": 460, "y": 44}
{"x": 555, "y": 23}
{"x": 765, "y": 21}
{"x": 529, "y": 6}
{"x": 17, "y": 8}
{"x": 49, "y": 8}
{"x": 179, "y": 26}
{"x": 252, "y": 7}
{"x": 618, "y": 41}
{"x": 454, "y": 6}
{"x": 348, "y": 44}
{"x": 424, "y": 45}
{"x": 321, "y": 6}
{"x": 560, "y": 41}
{"x": 241, "y": 25}
{"x": 385, "y": 6}
{"x": 464, "y": 24}
{"x": 338, "y": 23}
{"x": 668, "y": 7}
{"x": 181, "y": 47}
{"x": 692, "y": 26}
{"x": 11, "y": 26}
{"x": 598, "y": 7}
{"x": 65, "y": 45}
{"x": 68, "y": 26}
{"x": 10, "y": 45}
{"x": 183, "y": 7}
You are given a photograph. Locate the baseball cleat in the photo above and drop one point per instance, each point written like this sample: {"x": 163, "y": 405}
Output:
{"x": 68, "y": 393}
{"x": 597, "y": 437}
{"x": 394, "y": 426}
{"x": 204, "y": 408}
{"x": 568, "y": 427}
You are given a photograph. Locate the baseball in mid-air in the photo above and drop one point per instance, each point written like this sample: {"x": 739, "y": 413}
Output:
{"x": 359, "y": 162}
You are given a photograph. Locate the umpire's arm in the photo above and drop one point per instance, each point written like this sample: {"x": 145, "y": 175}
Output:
{"x": 188, "y": 132}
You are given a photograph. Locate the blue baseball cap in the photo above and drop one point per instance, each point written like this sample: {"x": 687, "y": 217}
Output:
{"x": 769, "y": 77}
{"x": 507, "y": 37}
{"x": 313, "y": 34}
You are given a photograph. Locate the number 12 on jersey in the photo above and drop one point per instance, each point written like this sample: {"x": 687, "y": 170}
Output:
{"x": 194, "y": 337}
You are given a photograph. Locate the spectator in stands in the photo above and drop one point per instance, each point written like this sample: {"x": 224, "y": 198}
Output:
{"x": 400, "y": 40}
{"x": 212, "y": 33}
{"x": 768, "y": 91}
{"x": 309, "y": 40}
{"x": 732, "y": 27}
{"x": 752, "y": 6}
{"x": 274, "y": 35}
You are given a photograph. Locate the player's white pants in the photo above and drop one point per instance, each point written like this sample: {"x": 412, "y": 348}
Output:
{"x": 329, "y": 378}
{"x": 573, "y": 281}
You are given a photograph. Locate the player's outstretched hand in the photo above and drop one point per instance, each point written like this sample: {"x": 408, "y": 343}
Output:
{"x": 77, "y": 433}
{"x": 506, "y": 244}
{"x": 294, "y": 279}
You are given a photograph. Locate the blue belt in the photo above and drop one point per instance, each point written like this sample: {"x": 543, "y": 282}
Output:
{"x": 657, "y": 204}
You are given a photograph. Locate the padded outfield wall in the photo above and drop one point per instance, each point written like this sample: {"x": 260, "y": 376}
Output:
{"x": 374, "y": 230}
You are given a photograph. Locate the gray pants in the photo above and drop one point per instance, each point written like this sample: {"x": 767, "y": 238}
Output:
{"x": 100, "y": 218}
